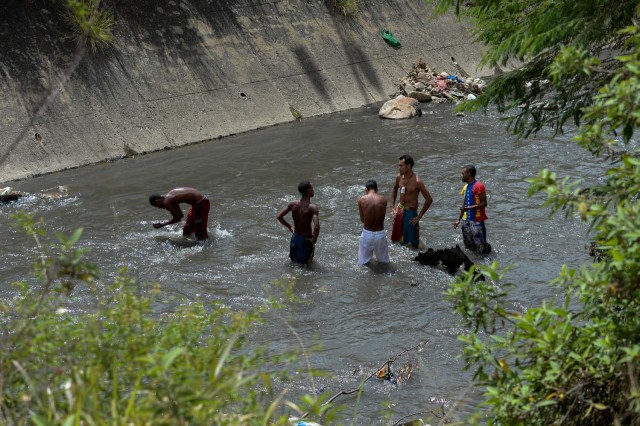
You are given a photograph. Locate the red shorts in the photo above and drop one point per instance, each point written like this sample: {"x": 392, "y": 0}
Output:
{"x": 197, "y": 220}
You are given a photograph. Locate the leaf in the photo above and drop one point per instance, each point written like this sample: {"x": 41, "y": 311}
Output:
{"x": 168, "y": 358}
{"x": 70, "y": 420}
{"x": 40, "y": 420}
{"x": 225, "y": 354}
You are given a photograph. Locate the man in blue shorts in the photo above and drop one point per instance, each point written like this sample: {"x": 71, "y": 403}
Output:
{"x": 304, "y": 215}
{"x": 406, "y": 219}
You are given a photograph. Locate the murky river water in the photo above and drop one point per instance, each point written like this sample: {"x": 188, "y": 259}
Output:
{"x": 360, "y": 316}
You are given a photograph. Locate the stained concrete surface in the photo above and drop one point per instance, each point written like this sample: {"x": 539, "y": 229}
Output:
{"x": 181, "y": 72}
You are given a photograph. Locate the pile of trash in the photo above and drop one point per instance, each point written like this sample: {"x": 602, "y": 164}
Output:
{"x": 425, "y": 85}
{"x": 422, "y": 84}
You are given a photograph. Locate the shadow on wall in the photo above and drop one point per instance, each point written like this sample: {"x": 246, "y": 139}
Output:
{"x": 176, "y": 36}
{"x": 357, "y": 56}
{"x": 312, "y": 69}
{"x": 36, "y": 47}
{"x": 180, "y": 33}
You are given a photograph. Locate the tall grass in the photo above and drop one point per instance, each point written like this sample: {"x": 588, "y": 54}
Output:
{"x": 345, "y": 7}
{"x": 91, "y": 22}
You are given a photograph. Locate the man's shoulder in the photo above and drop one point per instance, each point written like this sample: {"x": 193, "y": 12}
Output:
{"x": 418, "y": 180}
{"x": 478, "y": 186}
{"x": 173, "y": 197}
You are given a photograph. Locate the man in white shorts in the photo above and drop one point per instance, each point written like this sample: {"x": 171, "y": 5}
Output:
{"x": 373, "y": 240}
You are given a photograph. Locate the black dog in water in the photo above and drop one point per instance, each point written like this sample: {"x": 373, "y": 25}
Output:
{"x": 451, "y": 258}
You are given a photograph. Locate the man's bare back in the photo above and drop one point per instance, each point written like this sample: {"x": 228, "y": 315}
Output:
{"x": 302, "y": 213}
{"x": 183, "y": 195}
{"x": 305, "y": 216}
{"x": 373, "y": 208}
{"x": 172, "y": 200}
{"x": 373, "y": 240}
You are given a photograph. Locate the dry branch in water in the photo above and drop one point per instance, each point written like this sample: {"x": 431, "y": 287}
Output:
{"x": 386, "y": 367}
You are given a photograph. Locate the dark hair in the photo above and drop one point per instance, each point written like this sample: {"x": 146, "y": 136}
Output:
{"x": 371, "y": 184}
{"x": 472, "y": 169}
{"x": 408, "y": 160}
{"x": 153, "y": 197}
{"x": 303, "y": 187}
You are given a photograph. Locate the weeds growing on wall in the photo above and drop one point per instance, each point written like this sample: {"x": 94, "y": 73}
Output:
{"x": 117, "y": 361}
{"x": 91, "y": 22}
{"x": 345, "y": 7}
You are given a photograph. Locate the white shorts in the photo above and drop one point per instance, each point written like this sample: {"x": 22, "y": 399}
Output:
{"x": 373, "y": 242}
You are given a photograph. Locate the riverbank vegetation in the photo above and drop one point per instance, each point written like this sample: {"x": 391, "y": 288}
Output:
{"x": 121, "y": 360}
{"x": 572, "y": 361}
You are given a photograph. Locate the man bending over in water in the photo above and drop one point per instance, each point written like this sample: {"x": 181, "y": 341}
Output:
{"x": 304, "y": 214}
{"x": 197, "y": 216}
{"x": 372, "y": 209}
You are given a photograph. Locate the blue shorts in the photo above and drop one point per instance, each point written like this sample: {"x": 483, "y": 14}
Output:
{"x": 301, "y": 249}
{"x": 410, "y": 233}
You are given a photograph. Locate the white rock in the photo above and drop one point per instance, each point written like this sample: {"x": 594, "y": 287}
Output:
{"x": 399, "y": 108}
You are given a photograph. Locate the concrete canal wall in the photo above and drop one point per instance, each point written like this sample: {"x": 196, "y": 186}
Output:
{"x": 186, "y": 71}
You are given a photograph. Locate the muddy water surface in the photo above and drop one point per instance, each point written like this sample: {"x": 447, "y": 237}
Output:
{"x": 359, "y": 315}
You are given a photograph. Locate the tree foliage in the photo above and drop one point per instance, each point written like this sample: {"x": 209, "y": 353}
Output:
{"x": 568, "y": 50}
{"x": 576, "y": 360}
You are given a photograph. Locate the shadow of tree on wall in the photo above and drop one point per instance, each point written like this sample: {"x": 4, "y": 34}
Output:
{"x": 343, "y": 28}
{"x": 179, "y": 33}
{"x": 37, "y": 48}
{"x": 167, "y": 46}
{"x": 313, "y": 71}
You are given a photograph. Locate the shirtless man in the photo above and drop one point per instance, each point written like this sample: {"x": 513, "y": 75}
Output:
{"x": 405, "y": 217}
{"x": 197, "y": 216}
{"x": 304, "y": 215}
{"x": 372, "y": 207}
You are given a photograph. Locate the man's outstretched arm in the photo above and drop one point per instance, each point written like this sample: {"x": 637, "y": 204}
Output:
{"x": 176, "y": 216}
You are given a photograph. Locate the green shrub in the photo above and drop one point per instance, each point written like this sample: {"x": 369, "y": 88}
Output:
{"x": 575, "y": 361}
{"x": 117, "y": 361}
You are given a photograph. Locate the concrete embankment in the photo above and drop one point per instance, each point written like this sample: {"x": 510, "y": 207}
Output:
{"x": 185, "y": 71}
